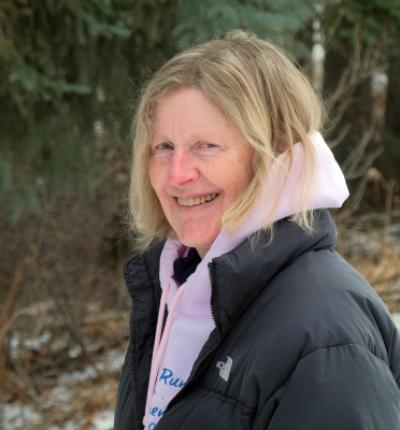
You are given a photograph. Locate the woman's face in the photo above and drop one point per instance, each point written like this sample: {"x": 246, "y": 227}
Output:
{"x": 200, "y": 165}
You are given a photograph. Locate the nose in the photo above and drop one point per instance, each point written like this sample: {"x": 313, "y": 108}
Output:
{"x": 183, "y": 168}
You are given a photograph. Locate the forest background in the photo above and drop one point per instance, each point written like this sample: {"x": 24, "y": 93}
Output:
{"x": 70, "y": 75}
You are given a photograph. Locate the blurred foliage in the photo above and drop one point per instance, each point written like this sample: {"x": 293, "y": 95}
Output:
{"x": 363, "y": 36}
{"x": 379, "y": 20}
{"x": 70, "y": 67}
{"x": 66, "y": 66}
{"x": 277, "y": 21}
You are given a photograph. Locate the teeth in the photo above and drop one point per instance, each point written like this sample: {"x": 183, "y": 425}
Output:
{"x": 197, "y": 200}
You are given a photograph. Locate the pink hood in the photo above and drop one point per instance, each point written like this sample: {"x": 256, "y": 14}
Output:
{"x": 189, "y": 321}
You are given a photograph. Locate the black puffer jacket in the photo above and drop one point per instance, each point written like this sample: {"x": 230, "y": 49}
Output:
{"x": 302, "y": 342}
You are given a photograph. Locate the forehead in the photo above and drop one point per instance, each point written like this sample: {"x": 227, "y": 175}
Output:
{"x": 186, "y": 113}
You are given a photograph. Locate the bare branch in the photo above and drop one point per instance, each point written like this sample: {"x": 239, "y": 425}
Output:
{"x": 350, "y": 165}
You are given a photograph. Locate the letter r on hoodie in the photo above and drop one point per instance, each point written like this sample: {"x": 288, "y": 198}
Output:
{"x": 166, "y": 373}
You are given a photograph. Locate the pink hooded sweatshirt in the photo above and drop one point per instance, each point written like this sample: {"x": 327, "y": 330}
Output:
{"x": 189, "y": 322}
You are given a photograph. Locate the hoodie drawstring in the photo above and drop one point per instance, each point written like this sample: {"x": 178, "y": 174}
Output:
{"x": 160, "y": 342}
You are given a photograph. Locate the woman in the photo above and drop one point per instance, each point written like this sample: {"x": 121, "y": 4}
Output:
{"x": 244, "y": 316}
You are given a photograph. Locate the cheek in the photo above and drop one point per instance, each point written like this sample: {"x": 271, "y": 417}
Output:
{"x": 241, "y": 173}
{"x": 154, "y": 179}
{"x": 157, "y": 183}
{"x": 239, "y": 184}
{"x": 159, "y": 195}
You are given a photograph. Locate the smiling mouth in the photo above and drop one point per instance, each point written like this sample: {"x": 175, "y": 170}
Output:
{"x": 195, "y": 201}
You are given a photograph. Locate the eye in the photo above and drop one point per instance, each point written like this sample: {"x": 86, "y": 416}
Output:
{"x": 208, "y": 145}
{"x": 161, "y": 148}
{"x": 207, "y": 148}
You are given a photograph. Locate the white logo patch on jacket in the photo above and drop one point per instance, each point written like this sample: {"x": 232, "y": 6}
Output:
{"x": 225, "y": 368}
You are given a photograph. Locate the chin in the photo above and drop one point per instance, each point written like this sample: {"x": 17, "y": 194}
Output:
{"x": 200, "y": 242}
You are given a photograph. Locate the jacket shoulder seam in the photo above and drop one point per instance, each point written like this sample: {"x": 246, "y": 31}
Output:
{"x": 340, "y": 345}
{"x": 326, "y": 348}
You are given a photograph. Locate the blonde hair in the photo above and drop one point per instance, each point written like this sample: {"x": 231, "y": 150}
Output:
{"x": 261, "y": 91}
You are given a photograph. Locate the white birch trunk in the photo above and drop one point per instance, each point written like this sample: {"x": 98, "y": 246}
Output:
{"x": 318, "y": 49}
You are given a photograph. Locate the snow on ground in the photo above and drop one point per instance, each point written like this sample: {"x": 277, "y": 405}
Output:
{"x": 104, "y": 421}
{"x": 69, "y": 388}
{"x": 16, "y": 416}
{"x": 396, "y": 318}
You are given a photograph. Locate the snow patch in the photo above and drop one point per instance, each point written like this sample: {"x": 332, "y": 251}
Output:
{"x": 19, "y": 417}
{"x": 104, "y": 421}
{"x": 396, "y": 317}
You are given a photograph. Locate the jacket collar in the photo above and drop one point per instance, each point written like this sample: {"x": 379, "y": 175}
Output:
{"x": 239, "y": 276}
{"x": 141, "y": 273}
